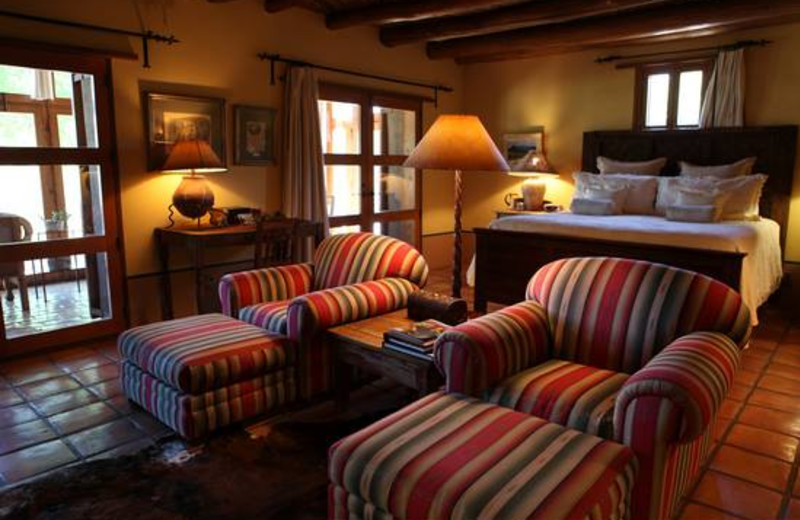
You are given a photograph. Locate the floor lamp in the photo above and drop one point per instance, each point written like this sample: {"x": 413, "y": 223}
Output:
{"x": 459, "y": 143}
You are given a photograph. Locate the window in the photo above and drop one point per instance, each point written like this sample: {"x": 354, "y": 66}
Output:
{"x": 366, "y": 137}
{"x": 669, "y": 95}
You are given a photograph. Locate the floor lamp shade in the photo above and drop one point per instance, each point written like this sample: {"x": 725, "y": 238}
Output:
{"x": 459, "y": 143}
{"x": 193, "y": 197}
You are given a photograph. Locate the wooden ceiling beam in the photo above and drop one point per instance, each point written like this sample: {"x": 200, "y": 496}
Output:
{"x": 669, "y": 21}
{"x": 378, "y": 14}
{"x": 529, "y": 14}
{"x": 523, "y": 54}
{"x": 275, "y": 6}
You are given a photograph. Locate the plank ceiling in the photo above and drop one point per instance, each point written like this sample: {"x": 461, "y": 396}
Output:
{"x": 472, "y": 31}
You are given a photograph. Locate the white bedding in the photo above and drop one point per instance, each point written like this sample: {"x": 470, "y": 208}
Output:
{"x": 762, "y": 267}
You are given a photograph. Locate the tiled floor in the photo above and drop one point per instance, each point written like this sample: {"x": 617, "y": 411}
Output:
{"x": 67, "y": 305}
{"x": 64, "y": 408}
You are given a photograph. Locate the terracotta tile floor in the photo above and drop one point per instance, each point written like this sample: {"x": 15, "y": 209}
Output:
{"x": 752, "y": 472}
{"x": 64, "y": 408}
{"x": 67, "y": 407}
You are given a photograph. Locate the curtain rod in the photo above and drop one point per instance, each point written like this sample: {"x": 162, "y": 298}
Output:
{"x": 274, "y": 58}
{"x": 730, "y": 47}
{"x": 146, "y": 36}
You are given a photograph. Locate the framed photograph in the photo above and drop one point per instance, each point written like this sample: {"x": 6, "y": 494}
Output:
{"x": 517, "y": 146}
{"x": 170, "y": 118}
{"x": 254, "y": 139}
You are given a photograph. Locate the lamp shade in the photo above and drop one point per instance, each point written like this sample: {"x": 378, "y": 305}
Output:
{"x": 457, "y": 142}
{"x": 533, "y": 164}
{"x": 192, "y": 156}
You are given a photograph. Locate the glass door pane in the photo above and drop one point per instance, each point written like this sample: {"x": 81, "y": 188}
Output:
{"x": 394, "y": 131}
{"x": 395, "y": 188}
{"x": 401, "y": 229}
{"x": 340, "y": 124}
{"x": 343, "y": 190}
{"x": 46, "y": 109}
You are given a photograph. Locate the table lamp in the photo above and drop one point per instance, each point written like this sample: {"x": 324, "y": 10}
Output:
{"x": 535, "y": 168}
{"x": 459, "y": 143}
{"x": 194, "y": 197}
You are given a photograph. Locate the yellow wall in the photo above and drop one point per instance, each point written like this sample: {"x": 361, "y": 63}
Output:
{"x": 217, "y": 57}
{"x": 571, "y": 94}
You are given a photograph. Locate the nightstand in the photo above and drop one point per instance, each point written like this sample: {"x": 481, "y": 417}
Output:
{"x": 508, "y": 212}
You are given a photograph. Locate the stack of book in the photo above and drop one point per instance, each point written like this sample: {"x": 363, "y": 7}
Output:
{"x": 416, "y": 340}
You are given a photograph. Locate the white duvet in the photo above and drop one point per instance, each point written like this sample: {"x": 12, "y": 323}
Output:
{"x": 760, "y": 240}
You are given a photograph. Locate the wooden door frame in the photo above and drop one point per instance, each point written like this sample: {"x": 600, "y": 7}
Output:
{"x": 105, "y": 156}
{"x": 369, "y": 98}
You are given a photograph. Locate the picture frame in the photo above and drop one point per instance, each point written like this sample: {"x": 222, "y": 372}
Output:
{"x": 254, "y": 135}
{"x": 170, "y": 117}
{"x": 516, "y": 146}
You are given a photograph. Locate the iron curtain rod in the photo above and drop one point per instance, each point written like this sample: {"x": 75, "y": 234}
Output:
{"x": 146, "y": 36}
{"x": 274, "y": 58}
{"x": 720, "y": 48}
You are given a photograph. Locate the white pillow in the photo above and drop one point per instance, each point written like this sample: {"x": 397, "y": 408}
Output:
{"x": 692, "y": 197}
{"x": 724, "y": 171}
{"x": 694, "y": 213}
{"x": 641, "y": 189}
{"x": 583, "y": 206}
{"x": 743, "y": 193}
{"x": 652, "y": 167}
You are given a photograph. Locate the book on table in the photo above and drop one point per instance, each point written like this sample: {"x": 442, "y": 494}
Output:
{"x": 417, "y": 339}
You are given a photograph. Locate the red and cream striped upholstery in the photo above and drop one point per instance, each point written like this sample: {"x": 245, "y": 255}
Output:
{"x": 479, "y": 354}
{"x": 577, "y": 396}
{"x": 676, "y": 333}
{"x": 272, "y": 316}
{"x": 618, "y": 314}
{"x": 363, "y": 257}
{"x": 201, "y": 373}
{"x": 354, "y": 276}
{"x": 272, "y": 284}
{"x": 194, "y": 416}
{"x": 448, "y": 456}
{"x": 203, "y": 352}
{"x": 674, "y": 399}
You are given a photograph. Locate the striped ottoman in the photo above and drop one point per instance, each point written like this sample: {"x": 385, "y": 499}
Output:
{"x": 201, "y": 373}
{"x": 448, "y": 456}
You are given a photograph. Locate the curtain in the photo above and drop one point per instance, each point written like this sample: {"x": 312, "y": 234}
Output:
{"x": 723, "y": 103}
{"x": 303, "y": 171}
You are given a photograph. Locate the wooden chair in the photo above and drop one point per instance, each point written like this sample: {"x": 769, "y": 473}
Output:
{"x": 14, "y": 228}
{"x": 282, "y": 241}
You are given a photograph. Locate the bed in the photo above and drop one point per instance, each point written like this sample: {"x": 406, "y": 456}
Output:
{"x": 744, "y": 255}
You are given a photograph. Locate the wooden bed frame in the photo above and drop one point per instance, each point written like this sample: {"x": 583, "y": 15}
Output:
{"x": 506, "y": 260}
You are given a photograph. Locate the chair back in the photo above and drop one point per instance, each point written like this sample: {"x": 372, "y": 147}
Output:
{"x": 362, "y": 257}
{"x": 14, "y": 228}
{"x": 617, "y": 313}
{"x": 280, "y": 241}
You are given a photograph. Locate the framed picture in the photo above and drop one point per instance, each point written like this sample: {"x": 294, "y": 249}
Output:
{"x": 254, "y": 139}
{"x": 170, "y": 118}
{"x": 517, "y": 146}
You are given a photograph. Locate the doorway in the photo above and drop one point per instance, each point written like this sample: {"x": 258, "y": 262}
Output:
{"x": 61, "y": 272}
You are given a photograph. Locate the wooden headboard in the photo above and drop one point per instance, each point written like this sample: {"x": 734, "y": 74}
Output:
{"x": 774, "y": 146}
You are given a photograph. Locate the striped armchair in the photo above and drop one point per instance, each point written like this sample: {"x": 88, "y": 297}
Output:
{"x": 352, "y": 277}
{"x": 637, "y": 352}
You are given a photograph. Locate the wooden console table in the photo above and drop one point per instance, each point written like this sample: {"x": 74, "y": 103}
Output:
{"x": 195, "y": 240}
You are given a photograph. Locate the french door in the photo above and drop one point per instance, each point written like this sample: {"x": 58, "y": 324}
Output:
{"x": 61, "y": 272}
{"x": 366, "y": 137}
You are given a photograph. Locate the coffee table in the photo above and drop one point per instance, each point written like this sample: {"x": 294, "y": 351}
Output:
{"x": 360, "y": 344}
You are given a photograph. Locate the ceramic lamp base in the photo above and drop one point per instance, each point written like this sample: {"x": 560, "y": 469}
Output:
{"x": 533, "y": 191}
{"x": 194, "y": 197}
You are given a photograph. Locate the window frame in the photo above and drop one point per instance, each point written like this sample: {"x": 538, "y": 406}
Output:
{"x": 673, "y": 68}
{"x": 367, "y": 160}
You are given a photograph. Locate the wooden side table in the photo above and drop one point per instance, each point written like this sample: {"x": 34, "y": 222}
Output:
{"x": 508, "y": 212}
{"x": 360, "y": 344}
{"x": 195, "y": 240}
